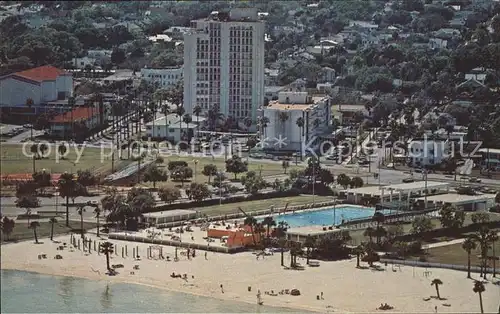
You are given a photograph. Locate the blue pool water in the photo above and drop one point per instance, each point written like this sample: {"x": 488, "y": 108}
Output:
{"x": 325, "y": 217}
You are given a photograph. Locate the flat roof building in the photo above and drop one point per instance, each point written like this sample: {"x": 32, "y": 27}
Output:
{"x": 462, "y": 201}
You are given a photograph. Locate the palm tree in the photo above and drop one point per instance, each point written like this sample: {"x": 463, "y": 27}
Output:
{"x": 251, "y": 221}
{"x": 106, "y": 248}
{"x": 248, "y": 122}
{"x": 282, "y": 242}
{"x": 308, "y": 243}
{"x": 269, "y": 222}
{"x": 187, "y": 119}
{"x": 280, "y": 233}
{"x": 97, "y": 212}
{"x": 180, "y": 113}
{"x": 468, "y": 245}
{"x": 300, "y": 124}
{"x": 369, "y": 232}
{"x": 436, "y": 282}
{"x": 484, "y": 237}
{"x": 71, "y": 105}
{"x": 196, "y": 112}
{"x": 359, "y": 251}
{"x": 213, "y": 115}
{"x": 34, "y": 225}
{"x": 379, "y": 218}
{"x": 80, "y": 210}
{"x": 479, "y": 289}
{"x": 52, "y": 220}
{"x": 283, "y": 117}
{"x": 263, "y": 123}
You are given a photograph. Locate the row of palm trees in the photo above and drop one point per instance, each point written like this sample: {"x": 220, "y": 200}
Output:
{"x": 484, "y": 239}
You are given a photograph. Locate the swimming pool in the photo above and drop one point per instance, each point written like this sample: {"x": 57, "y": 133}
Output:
{"x": 325, "y": 217}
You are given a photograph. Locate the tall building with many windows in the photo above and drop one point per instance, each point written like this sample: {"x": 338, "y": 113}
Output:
{"x": 224, "y": 64}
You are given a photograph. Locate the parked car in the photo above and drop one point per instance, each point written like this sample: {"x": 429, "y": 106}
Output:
{"x": 408, "y": 180}
{"x": 475, "y": 180}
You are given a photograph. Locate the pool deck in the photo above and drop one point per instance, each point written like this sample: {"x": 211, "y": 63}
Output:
{"x": 195, "y": 238}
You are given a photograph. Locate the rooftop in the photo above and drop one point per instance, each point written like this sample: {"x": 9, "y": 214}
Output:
{"x": 371, "y": 190}
{"x": 489, "y": 150}
{"x": 81, "y": 113}
{"x": 276, "y": 105}
{"x": 40, "y": 74}
{"x": 310, "y": 230}
{"x": 454, "y": 198}
{"x": 170, "y": 213}
{"x": 417, "y": 185}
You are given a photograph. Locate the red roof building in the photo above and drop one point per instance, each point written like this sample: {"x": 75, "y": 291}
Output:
{"x": 70, "y": 123}
{"x": 77, "y": 114}
{"x": 41, "y": 85}
{"x": 41, "y": 74}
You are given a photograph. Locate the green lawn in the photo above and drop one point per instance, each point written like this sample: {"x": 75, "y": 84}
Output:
{"x": 266, "y": 169}
{"x": 252, "y": 206}
{"x": 455, "y": 255}
{"x": 22, "y": 232}
{"x": 14, "y": 161}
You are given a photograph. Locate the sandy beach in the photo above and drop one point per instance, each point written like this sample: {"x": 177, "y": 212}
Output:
{"x": 345, "y": 288}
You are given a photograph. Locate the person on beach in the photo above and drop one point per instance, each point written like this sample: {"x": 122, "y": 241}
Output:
{"x": 322, "y": 295}
{"x": 221, "y": 288}
{"x": 206, "y": 258}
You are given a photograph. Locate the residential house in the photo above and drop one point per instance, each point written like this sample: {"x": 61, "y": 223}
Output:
{"x": 345, "y": 113}
{"x": 426, "y": 152}
{"x": 164, "y": 77}
{"x": 272, "y": 92}
{"x": 171, "y": 128}
{"x": 478, "y": 74}
{"x": 271, "y": 77}
{"x": 67, "y": 123}
{"x": 327, "y": 75}
{"x": 84, "y": 62}
{"x": 438, "y": 43}
{"x": 490, "y": 158}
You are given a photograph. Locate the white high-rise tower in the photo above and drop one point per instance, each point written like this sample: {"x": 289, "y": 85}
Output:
{"x": 224, "y": 64}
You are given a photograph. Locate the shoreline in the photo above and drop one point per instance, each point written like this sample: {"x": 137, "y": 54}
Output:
{"x": 117, "y": 279}
{"x": 342, "y": 284}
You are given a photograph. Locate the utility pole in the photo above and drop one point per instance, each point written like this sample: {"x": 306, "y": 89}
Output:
{"x": 314, "y": 178}
{"x": 426, "y": 192}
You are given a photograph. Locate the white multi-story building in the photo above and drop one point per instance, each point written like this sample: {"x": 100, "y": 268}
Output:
{"x": 427, "y": 152}
{"x": 284, "y": 113}
{"x": 224, "y": 63}
{"x": 164, "y": 77}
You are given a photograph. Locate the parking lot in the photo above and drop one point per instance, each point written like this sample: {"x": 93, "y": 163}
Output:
{"x": 10, "y": 130}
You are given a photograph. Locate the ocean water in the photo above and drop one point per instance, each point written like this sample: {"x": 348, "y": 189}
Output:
{"x": 26, "y": 292}
{"x": 327, "y": 217}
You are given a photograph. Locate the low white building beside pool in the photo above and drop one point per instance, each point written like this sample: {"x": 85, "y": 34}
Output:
{"x": 300, "y": 234}
{"x": 394, "y": 192}
{"x": 465, "y": 202}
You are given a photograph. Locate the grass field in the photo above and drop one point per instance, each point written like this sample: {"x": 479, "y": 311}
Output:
{"x": 265, "y": 168}
{"x": 13, "y": 160}
{"x": 22, "y": 232}
{"x": 252, "y": 206}
{"x": 455, "y": 255}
